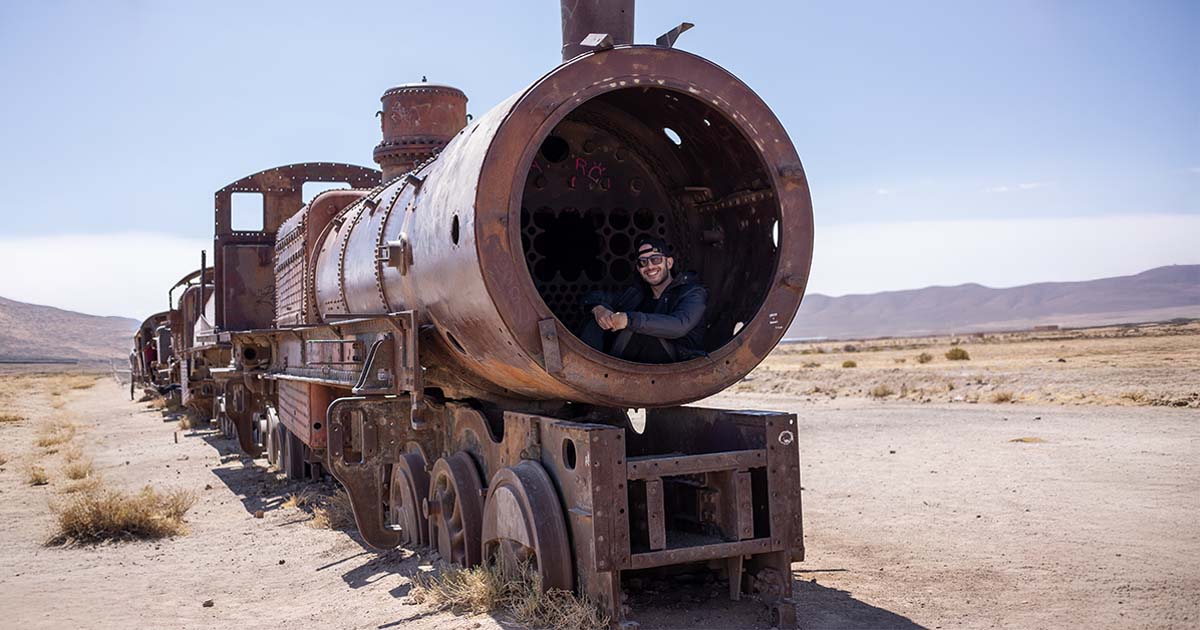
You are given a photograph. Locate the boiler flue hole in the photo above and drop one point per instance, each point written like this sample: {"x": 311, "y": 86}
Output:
{"x": 555, "y": 149}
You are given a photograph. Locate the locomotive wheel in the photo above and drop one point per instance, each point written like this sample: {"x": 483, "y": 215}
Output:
{"x": 274, "y": 446}
{"x": 523, "y": 522}
{"x": 454, "y": 509}
{"x": 293, "y": 455}
{"x": 409, "y": 489}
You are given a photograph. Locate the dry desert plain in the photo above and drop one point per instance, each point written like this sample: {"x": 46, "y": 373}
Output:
{"x": 1050, "y": 481}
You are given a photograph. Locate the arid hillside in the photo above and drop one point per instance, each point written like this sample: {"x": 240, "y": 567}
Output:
{"x": 1159, "y": 294}
{"x": 35, "y": 332}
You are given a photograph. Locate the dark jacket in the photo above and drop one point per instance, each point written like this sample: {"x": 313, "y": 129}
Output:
{"x": 678, "y": 323}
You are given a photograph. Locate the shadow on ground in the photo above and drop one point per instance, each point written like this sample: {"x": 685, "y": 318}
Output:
{"x": 256, "y": 487}
{"x": 822, "y": 607}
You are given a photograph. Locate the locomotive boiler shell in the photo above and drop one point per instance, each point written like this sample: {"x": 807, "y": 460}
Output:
{"x": 446, "y": 241}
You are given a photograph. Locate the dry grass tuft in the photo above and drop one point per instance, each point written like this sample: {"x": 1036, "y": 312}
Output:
{"x": 36, "y": 476}
{"x": 55, "y": 433}
{"x": 881, "y": 391}
{"x": 90, "y": 484}
{"x": 297, "y": 500}
{"x": 1028, "y": 440}
{"x": 107, "y": 514}
{"x": 957, "y": 354}
{"x": 924, "y": 357}
{"x": 811, "y": 364}
{"x": 157, "y": 403}
{"x": 78, "y": 469}
{"x": 1138, "y": 397}
{"x": 185, "y": 423}
{"x": 72, "y": 453}
{"x": 333, "y": 512}
{"x": 3, "y": 459}
{"x": 516, "y": 591}
{"x": 1002, "y": 397}
{"x": 5, "y": 418}
{"x": 849, "y": 364}
{"x": 81, "y": 382}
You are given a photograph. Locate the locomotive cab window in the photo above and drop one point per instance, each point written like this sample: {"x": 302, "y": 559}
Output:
{"x": 246, "y": 213}
{"x": 650, "y": 162}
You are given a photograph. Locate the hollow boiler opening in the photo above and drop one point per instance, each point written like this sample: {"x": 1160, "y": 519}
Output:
{"x": 650, "y": 162}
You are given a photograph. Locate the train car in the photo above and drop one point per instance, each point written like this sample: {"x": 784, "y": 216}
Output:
{"x": 191, "y": 317}
{"x": 415, "y": 333}
{"x": 150, "y": 359}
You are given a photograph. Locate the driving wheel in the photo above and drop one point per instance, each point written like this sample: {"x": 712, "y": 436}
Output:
{"x": 523, "y": 521}
{"x": 454, "y": 509}
{"x": 409, "y": 489}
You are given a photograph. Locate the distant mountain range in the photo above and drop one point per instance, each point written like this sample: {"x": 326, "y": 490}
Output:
{"x": 30, "y": 332}
{"x": 1159, "y": 294}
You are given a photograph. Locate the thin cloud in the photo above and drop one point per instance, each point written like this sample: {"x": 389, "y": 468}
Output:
{"x": 871, "y": 257}
{"x": 1195, "y": 170}
{"x": 883, "y": 192}
{"x": 1006, "y": 188}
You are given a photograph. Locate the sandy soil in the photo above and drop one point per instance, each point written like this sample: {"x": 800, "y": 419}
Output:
{"x": 916, "y": 516}
{"x": 1139, "y": 365}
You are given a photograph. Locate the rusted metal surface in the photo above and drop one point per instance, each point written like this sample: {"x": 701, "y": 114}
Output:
{"x": 470, "y": 234}
{"x": 563, "y": 494}
{"x": 416, "y": 335}
{"x": 454, "y": 508}
{"x": 581, "y": 18}
{"x": 243, "y": 260}
{"x": 417, "y": 120}
{"x": 523, "y": 523}
{"x": 409, "y": 490}
{"x": 654, "y": 467}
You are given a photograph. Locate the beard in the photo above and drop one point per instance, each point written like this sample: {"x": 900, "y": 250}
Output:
{"x": 663, "y": 277}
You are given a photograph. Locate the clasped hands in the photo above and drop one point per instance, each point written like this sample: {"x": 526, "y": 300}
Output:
{"x": 609, "y": 320}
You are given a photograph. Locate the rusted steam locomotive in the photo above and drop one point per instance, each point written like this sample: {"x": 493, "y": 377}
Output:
{"x": 413, "y": 336}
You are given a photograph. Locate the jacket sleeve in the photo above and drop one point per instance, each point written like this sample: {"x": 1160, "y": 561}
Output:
{"x": 679, "y": 322}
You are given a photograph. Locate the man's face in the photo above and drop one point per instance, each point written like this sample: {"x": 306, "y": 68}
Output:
{"x": 654, "y": 266}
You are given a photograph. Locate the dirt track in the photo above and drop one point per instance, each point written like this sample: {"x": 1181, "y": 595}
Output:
{"x": 916, "y": 516}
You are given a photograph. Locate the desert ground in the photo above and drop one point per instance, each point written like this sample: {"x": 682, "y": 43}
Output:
{"x": 1009, "y": 490}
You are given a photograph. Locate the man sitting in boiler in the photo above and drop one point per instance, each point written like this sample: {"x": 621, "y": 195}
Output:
{"x": 657, "y": 320}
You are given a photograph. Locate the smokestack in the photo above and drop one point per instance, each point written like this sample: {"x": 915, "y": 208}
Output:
{"x": 581, "y": 18}
{"x": 417, "y": 120}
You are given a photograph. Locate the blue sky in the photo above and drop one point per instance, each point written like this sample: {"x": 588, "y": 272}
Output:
{"x": 967, "y": 120}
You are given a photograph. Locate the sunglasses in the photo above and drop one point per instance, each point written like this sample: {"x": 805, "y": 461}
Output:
{"x": 653, "y": 259}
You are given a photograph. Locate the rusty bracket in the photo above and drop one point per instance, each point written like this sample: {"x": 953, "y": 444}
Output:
{"x": 551, "y": 355}
{"x": 396, "y": 254}
{"x": 597, "y": 41}
{"x": 793, "y": 172}
{"x": 377, "y": 376}
{"x": 406, "y": 363}
{"x": 364, "y": 439}
{"x": 794, "y": 282}
{"x": 241, "y": 412}
{"x": 667, "y": 40}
